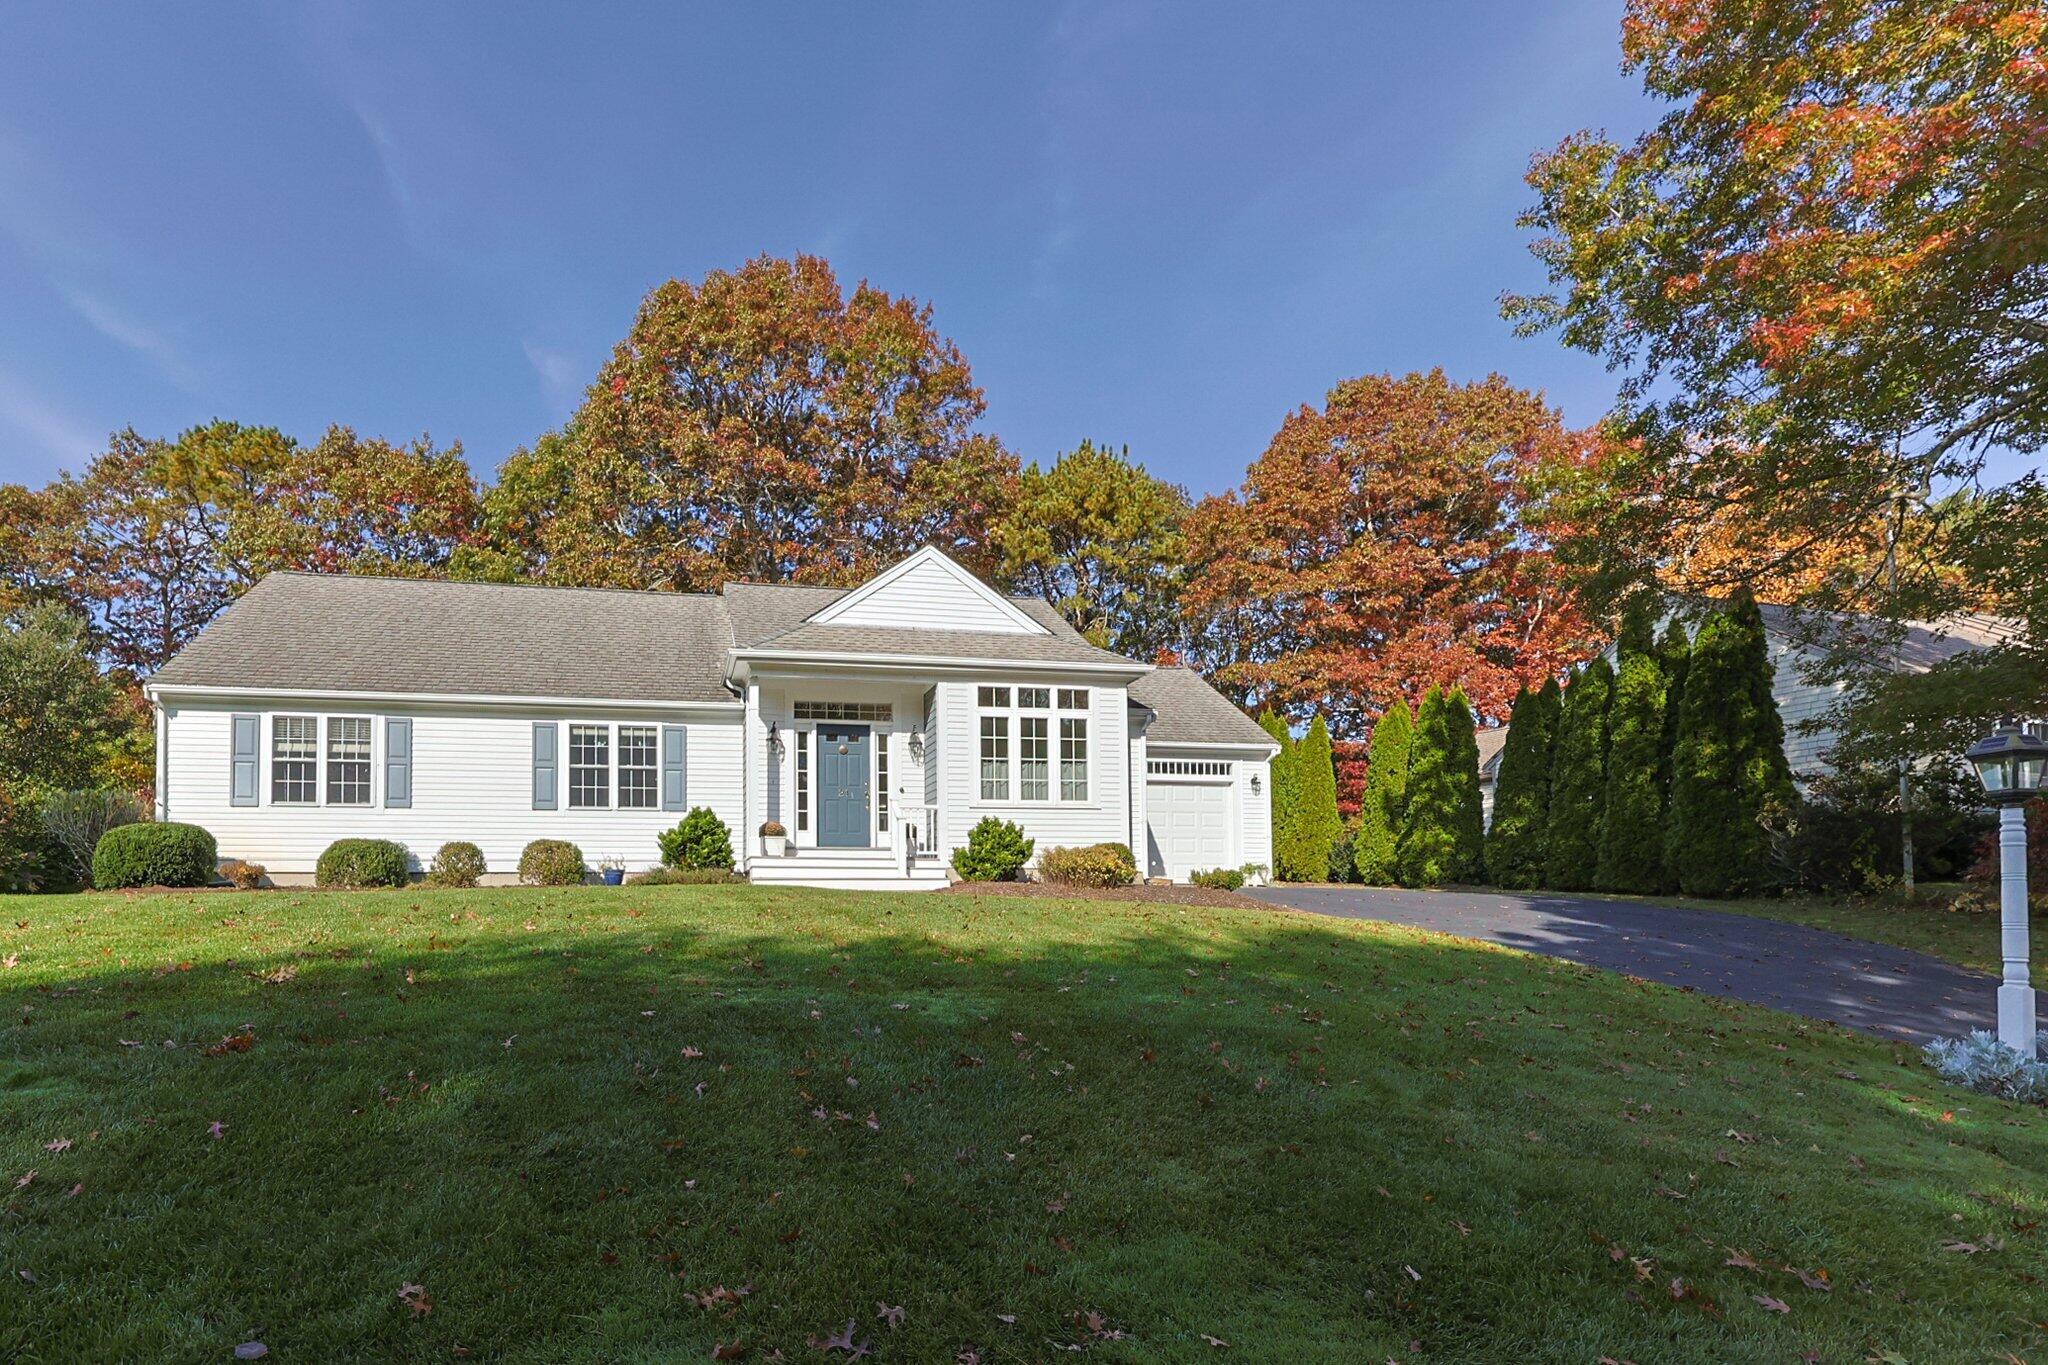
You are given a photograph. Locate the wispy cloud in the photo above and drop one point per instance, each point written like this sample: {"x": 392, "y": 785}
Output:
{"x": 561, "y": 374}
{"x": 61, "y": 437}
{"x": 139, "y": 337}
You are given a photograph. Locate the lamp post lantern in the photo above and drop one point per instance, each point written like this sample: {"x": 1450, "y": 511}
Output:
{"x": 2012, "y": 765}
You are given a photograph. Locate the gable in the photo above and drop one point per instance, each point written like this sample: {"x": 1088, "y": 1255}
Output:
{"x": 928, "y": 591}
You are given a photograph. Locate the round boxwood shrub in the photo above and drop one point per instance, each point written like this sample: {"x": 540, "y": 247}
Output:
{"x": 995, "y": 850}
{"x": 551, "y": 862}
{"x": 1093, "y": 865}
{"x": 160, "y": 854}
{"x": 701, "y": 840}
{"x": 352, "y": 864}
{"x": 457, "y": 864}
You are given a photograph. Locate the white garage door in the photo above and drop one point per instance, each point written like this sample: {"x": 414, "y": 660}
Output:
{"x": 1188, "y": 824}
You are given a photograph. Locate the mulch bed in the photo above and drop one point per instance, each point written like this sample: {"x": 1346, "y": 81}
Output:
{"x": 1175, "y": 894}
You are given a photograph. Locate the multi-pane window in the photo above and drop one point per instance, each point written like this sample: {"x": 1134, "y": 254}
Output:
{"x": 639, "y": 769}
{"x": 882, "y": 783}
{"x": 1034, "y": 766}
{"x": 879, "y": 712}
{"x": 995, "y": 752}
{"x": 993, "y": 696}
{"x": 348, "y": 761}
{"x": 590, "y": 766}
{"x": 1073, "y": 699}
{"x": 1034, "y": 698}
{"x": 1073, "y": 760}
{"x": 803, "y": 779}
{"x": 295, "y": 759}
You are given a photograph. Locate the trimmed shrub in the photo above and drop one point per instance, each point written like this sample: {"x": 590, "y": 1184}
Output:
{"x": 352, "y": 864}
{"x": 457, "y": 864}
{"x": 1315, "y": 828}
{"x": 1092, "y": 865}
{"x": 684, "y": 876}
{"x": 996, "y": 850}
{"x": 1343, "y": 856}
{"x": 76, "y": 820}
{"x": 1440, "y": 839}
{"x": 1375, "y": 847}
{"x": 1632, "y": 811}
{"x": 1578, "y": 782}
{"x": 165, "y": 854}
{"x": 1218, "y": 879}
{"x": 700, "y": 840}
{"x": 551, "y": 862}
{"x": 245, "y": 876}
{"x": 1728, "y": 772}
{"x": 1521, "y": 790}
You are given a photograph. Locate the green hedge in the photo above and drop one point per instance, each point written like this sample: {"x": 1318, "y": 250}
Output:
{"x": 161, "y": 854}
{"x": 701, "y": 840}
{"x": 551, "y": 862}
{"x": 1090, "y": 865}
{"x": 996, "y": 850}
{"x": 1218, "y": 879}
{"x": 352, "y": 864}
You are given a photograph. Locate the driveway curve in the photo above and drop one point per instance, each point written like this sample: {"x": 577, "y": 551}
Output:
{"x": 1894, "y": 993}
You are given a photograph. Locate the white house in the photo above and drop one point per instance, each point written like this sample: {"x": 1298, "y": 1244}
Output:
{"x": 876, "y": 724}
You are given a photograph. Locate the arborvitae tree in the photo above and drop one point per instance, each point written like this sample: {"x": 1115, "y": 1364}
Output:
{"x": 1434, "y": 846}
{"x": 1284, "y": 795}
{"x": 1386, "y": 795}
{"x": 1578, "y": 782}
{"x": 1468, "y": 808}
{"x": 1316, "y": 824}
{"x": 1521, "y": 790}
{"x": 1729, "y": 768}
{"x": 1674, "y": 655}
{"x": 1632, "y": 815}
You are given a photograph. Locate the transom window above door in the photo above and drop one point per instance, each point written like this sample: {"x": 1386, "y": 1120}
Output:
{"x": 873, "y": 711}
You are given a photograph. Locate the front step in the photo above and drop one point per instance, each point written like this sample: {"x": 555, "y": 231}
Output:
{"x": 848, "y": 869}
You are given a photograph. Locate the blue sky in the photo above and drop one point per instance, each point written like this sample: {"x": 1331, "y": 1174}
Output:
{"x": 1161, "y": 224}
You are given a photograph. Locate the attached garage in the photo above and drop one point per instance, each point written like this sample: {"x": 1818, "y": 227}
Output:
{"x": 1202, "y": 768}
{"x": 1190, "y": 817}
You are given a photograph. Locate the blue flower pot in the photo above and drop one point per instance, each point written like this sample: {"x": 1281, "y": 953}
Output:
{"x": 614, "y": 876}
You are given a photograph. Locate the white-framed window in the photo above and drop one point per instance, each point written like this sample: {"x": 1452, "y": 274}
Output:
{"x": 995, "y": 753}
{"x": 881, "y": 782}
{"x": 803, "y": 779}
{"x": 875, "y": 712}
{"x": 1187, "y": 767}
{"x": 590, "y": 767}
{"x": 1034, "y": 759}
{"x": 1073, "y": 699}
{"x": 1073, "y": 759}
{"x": 348, "y": 760}
{"x": 294, "y": 760}
{"x": 639, "y": 767}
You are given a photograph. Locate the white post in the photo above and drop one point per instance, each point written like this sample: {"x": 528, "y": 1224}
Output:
{"x": 2016, "y": 1026}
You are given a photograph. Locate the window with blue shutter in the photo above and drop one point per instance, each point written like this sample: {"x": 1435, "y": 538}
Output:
{"x": 545, "y": 764}
{"x": 397, "y": 763}
{"x": 674, "y": 787}
{"x": 247, "y": 742}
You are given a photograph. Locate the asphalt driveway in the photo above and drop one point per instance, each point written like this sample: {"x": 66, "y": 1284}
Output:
{"x": 1891, "y": 992}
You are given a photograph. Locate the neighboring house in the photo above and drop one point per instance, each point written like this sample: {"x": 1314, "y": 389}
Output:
{"x": 1493, "y": 742}
{"x": 877, "y": 724}
{"x": 1925, "y": 644}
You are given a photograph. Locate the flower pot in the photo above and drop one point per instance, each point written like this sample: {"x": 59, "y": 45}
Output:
{"x": 613, "y": 876}
{"x": 775, "y": 845}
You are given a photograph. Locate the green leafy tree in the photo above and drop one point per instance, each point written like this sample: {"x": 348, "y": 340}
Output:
{"x": 1316, "y": 826}
{"x": 1440, "y": 837}
{"x": 1385, "y": 807}
{"x": 1101, "y": 539}
{"x": 1674, "y": 657}
{"x": 57, "y": 721}
{"x": 1515, "y": 842}
{"x": 1632, "y": 812}
{"x": 1729, "y": 774}
{"x": 1284, "y": 780}
{"x": 1578, "y": 782}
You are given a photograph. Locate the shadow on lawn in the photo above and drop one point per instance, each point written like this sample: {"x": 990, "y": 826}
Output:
{"x": 1315, "y": 1143}
{"x": 1893, "y": 993}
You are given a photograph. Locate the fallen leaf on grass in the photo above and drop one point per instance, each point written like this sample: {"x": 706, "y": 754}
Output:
{"x": 729, "y": 1350}
{"x": 1212, "y": 1341}
{"x": 62, "y": 1144}
{"x": 1992, "y": 1243}
{"x": 1769, "y": 1304}
{"x": 891, "y": 1314}
{"x": 1812, "y": 1279}
{"x": 416, "y": 1298}
{"x": 234, "y": 1042}
{"x": 251, "y": 1350}
{"x": 1741, "y": 1260}
{"x": 216, "y": 1130}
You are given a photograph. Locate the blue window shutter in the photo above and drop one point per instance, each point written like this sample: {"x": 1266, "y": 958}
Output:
{"x": 674, "y": 788}
{"x": 248, "y": 736}
{"x": 544, "y": 733}
{"x": 397, "y": 763}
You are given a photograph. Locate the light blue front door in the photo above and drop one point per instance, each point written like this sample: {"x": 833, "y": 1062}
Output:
{"x": 843, "y": 786}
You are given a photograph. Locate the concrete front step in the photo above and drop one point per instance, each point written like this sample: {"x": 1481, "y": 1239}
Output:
{"x": 859, "y": 869}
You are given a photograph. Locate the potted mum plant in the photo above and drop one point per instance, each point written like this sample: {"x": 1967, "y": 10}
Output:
{"x": 774, "y": 839}
{"x": 612, "y": 869}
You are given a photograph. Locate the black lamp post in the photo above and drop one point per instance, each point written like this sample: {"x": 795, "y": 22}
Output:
{"x": 2012, "y": 765}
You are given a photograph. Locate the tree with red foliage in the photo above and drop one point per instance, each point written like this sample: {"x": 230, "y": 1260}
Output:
{"x": 1380, "y": 547}
{"x": 1349, "y": 756}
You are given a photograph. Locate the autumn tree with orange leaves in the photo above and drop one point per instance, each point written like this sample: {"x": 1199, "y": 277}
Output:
{"x": 1379, "y": 547}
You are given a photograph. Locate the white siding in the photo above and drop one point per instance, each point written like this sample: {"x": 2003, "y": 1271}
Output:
{"x": 1800, "y": 700}
{"x": 472, "y": 779}
{"x": 931, "y": 593}
{"x": 1103, "y": 819}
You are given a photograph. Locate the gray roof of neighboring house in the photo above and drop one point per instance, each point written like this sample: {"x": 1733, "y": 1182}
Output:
{"x": 1924, "y": 644}
{"x": 338, "y": 633}
{"x": 1492, "y": 741}
{"x": 1187, "y": 710}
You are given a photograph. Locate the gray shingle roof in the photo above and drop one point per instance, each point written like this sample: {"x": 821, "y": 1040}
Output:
{"x": 333, "y": 632}
{"x": 1924, "y": 643}
{"x": 1055, "y": 648}
{"x": 1189, "y": 711}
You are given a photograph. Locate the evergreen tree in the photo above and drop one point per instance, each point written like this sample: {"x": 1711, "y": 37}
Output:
{"x": 1386, "y": 794}
{"x": 1578, "y": 782}
{"x": 1728, "y": 769}
{"x": 1439, "y": 841}
{"x": 1632, "y": 814}
{"x": 1468, "y": 808}
{"x": 1316, "y": 824}
{"x": 1674, "y": 655}
{"x": 1521, "y": 792}
{"x": 1284, "y": 795}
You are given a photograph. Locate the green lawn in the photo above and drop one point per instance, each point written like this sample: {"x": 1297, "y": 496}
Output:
{"x": 636, "y": 1124}
{"x": 1925, "y": 923}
